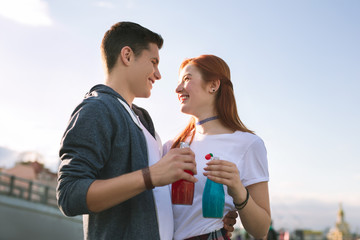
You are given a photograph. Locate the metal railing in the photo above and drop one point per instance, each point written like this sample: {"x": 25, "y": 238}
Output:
{"x": 26, "y": 189}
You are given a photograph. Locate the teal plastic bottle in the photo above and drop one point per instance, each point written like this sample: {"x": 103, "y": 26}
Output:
{"x": 213, "y": 197}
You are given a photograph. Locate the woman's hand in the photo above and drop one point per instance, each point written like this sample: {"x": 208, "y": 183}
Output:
{"x": 255, "y": 217}
{"x": 225, "y": 172}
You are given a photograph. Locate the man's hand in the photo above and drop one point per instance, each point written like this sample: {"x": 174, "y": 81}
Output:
{"x": 229, "y": 222}
{"x": 171, "y": 167}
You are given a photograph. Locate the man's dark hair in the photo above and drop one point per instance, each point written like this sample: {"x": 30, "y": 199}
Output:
{"x": 128, "y": 34}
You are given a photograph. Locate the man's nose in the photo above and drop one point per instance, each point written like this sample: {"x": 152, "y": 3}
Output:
{"x": 157, "y": 74}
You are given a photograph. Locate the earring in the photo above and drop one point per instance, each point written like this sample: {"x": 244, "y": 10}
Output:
{"x": 213, "y": 90}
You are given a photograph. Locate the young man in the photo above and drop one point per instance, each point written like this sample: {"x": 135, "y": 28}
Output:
{"x": 107, "y": 149}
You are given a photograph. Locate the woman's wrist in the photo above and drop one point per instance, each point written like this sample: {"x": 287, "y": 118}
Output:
{"x": 241, "y": 204}
{"x": 240, "y": 195}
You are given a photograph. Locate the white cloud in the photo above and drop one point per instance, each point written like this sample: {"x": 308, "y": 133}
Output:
{"x": 28, "y": 12}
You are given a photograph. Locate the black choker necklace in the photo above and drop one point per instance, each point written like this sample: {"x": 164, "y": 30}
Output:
{"x": 207, "y": 120}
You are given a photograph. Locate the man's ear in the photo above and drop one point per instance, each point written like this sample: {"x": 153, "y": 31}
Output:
{"x": 126, "y": 55}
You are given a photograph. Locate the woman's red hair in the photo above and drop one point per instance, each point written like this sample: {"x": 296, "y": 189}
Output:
{"x": 212, "y": 68}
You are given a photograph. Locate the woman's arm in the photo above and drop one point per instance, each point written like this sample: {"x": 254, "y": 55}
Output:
{"x": 255, "y": 215}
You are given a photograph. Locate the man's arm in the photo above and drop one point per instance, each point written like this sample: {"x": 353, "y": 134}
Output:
{"x": 104, "y": 194}
{"x": 86, "y": 146}
{"x": 229, "y": 221}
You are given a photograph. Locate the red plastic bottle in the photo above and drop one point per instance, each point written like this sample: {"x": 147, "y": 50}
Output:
{"x": 182, "y": 191}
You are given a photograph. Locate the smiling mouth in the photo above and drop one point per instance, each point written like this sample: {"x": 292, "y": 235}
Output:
{"x": 182, "y": 98}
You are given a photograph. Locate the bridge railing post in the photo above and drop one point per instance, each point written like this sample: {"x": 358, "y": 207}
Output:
{"x": 46, "y": 194}
{"x": 30, "y": 189}
{"x": 11, "y": 185}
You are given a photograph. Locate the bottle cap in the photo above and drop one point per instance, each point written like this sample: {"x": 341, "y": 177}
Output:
{"x": 208, "y": 156}
{"x": 184, "y": 145}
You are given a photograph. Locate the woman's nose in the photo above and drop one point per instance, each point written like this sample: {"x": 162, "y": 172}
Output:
{"x": 179, "y": 88}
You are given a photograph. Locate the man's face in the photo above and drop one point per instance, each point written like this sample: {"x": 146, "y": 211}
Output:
{"x": 145, "y": 72}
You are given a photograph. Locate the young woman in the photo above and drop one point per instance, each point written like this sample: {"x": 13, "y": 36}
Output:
{"x": 206, "y": 93}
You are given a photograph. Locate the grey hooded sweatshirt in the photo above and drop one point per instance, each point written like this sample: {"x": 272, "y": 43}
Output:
{"x": 102, "y": 141}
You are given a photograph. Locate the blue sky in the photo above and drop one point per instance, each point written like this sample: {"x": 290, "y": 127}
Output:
{"x": 295, "y": 69}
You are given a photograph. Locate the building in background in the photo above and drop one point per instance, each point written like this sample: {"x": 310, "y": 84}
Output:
{"x": 308, "y": 235}
{"x": 34, "y": 171}
{"x": 341, "y": 231}
{"x": 28, "y": 206}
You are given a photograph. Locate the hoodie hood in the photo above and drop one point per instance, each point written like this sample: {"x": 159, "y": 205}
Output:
{"x": 140, "y": 112}
{"x": 101, "y": 88}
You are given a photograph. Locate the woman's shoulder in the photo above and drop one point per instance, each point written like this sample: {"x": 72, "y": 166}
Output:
{"x": 249, "y": 140}
{"x": 247, "y": 136}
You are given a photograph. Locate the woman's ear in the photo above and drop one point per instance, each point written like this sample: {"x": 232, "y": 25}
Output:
{"x": 126, "y": 55}
{"x": 214, "y": 85}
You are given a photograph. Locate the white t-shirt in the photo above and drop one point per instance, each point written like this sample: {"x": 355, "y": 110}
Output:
{"x": 244, "y": 149}
{"x": 162, "y": 195}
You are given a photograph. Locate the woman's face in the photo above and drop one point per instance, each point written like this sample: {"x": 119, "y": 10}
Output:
{"x": 193, "y": 93}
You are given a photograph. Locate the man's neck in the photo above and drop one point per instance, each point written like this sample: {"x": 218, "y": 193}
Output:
{"x": 121, "y": 89}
